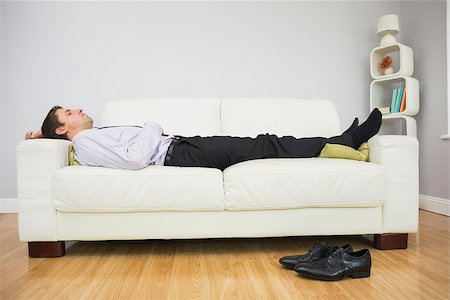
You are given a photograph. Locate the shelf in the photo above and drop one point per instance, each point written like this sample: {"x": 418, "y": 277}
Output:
{"x": 383, "y": 85}
{"x": 410, "y": 122}
{"x": 381, "y": 94}
{"x": 402, "y": 56}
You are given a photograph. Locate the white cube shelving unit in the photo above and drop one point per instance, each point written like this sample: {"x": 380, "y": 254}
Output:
{"x": 381, "y": 94}
{"x": 410, "y": 123}
{"x": 403, "y": 60}
{"x": 383, "y": 85}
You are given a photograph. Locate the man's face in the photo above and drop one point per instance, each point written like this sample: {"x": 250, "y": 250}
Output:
{"x": 73, "y": 120}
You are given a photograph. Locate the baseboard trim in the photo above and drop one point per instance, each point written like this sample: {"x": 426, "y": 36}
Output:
{"x": 435, "y": 204}
{"x": 9, "y": 205}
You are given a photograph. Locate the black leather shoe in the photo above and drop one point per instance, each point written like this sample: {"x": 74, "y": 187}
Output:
{"x": 337, "y": 265}
{"x": 319, "y": 250}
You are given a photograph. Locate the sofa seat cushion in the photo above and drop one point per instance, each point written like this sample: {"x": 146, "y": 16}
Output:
{"x": 303, "y": 182}
{"x": 155, "y": 188}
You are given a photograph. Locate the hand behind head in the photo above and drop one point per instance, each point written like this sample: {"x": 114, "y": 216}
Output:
{"x": 36, "y": 135}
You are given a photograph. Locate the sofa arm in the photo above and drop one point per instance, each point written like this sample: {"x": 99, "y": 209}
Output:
{"x": 37, "y": 160}
{"x": 400, "y": 156}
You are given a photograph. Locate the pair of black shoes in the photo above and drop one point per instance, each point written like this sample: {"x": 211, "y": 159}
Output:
{"x": 328, "y": 262}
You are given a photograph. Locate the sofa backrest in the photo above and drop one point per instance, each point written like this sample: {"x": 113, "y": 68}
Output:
{"x": 182, "y": 116}
{"x": 228, "y": 116}
{"x": 280, "y": 116}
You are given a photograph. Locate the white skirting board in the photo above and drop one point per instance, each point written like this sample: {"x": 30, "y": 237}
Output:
{"x": 9, "y": 205}
{"x": 435, "y": 204}
{"x": 430, "y": 203}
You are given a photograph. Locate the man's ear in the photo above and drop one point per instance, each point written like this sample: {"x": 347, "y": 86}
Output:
{"x": 60, "y": 130}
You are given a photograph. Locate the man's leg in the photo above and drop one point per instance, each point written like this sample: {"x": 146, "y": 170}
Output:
{"x": 223, "y": 151}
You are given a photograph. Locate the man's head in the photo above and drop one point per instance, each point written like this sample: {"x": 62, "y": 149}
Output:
{"x": 64, "y": 123}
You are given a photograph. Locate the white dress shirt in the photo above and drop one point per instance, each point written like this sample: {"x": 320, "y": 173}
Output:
{"x": 122, "y": 147}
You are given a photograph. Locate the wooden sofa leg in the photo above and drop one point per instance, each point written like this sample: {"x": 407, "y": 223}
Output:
{"x": 390, "y": 241}
{"x": 46, "y": 249}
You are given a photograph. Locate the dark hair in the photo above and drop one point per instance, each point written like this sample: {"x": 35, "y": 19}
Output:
{"x": 50, "y": 124}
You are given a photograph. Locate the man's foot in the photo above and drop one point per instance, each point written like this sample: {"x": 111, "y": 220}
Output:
{"x": 367, "y": 129}
{"x": 353, "y": 126}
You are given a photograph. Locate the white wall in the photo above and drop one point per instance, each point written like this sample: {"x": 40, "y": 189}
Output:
{"x": 424, "y": 26}
{"x": 2, "y": 111}
{"x": 84, "y": 54}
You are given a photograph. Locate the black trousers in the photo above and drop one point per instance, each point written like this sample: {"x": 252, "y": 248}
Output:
{"x": 223, "y": 151}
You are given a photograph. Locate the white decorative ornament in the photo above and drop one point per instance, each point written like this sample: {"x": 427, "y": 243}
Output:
{"x": 389, "y": 71}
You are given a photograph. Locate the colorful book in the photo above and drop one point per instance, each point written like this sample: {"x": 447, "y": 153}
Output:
{"x": 399, "y": 100}
{"x": 396, "y": 100}
{"x": 403, "y": 105}
{"x": 394, "y": 97}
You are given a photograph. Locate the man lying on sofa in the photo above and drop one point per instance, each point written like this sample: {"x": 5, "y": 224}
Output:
{"x": 135, "y": 147}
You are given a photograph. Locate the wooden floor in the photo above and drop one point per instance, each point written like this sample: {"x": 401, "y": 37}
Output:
{"x": 220, "y": 268}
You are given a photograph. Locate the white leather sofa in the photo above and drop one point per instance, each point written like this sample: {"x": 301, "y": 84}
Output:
{"x": 259, "y": 198}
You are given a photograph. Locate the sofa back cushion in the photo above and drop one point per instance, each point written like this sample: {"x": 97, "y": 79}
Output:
{"x": 280, "y": 116}
{"x": 182, "y": 116}
{"x": 228, "y": 116}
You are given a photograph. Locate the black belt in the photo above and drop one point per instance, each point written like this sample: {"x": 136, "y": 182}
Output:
{"x": 175, "y": 142}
